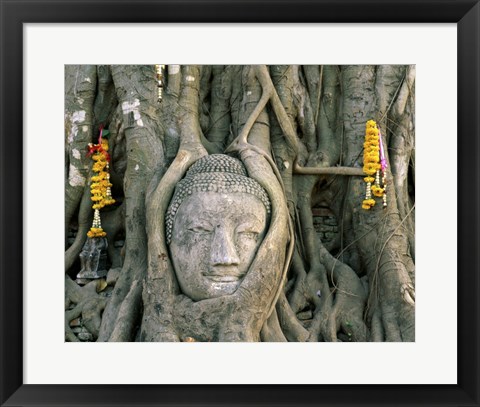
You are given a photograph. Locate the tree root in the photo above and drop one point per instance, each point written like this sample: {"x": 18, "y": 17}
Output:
{"x": 291, "y": 149}
{"x": 128, "y": 315}
{"x": 328, "y": 170}
{"x": 350, "y": 299}
{"x": 293, "y": 330}
{"x": 272, "y": 331}
{"x": 299, "y": 298}
{"x": 89, "y": 305}
{"x": 79, "y": 103}
{"x": 84, "y": 222}
{"x": 161, "y": 286}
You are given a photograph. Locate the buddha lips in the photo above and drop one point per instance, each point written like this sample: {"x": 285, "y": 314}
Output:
{"x": 100, "y": 186}
{"x": 374, "y": 166}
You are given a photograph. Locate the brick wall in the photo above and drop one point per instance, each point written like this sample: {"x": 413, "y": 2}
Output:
{"x": 325, "y": 224}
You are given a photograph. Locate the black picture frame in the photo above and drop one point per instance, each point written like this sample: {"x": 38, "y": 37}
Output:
{"x": 465, "y": 13}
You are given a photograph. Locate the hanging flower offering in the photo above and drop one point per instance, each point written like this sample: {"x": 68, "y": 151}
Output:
{"x": 159, "y": 76}
{"x": 374, "y": 166}
{"x": 100, "y": 187}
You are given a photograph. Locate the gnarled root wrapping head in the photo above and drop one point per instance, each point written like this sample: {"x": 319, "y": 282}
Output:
{"x": 227, "y": 231}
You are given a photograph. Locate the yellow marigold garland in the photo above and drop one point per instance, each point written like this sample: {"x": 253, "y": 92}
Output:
{"x": 159, "y": 76}
{"x": 374, "y": 162}
{"x": 100, "y": 186}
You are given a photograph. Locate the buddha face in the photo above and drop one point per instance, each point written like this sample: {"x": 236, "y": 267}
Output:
{"x": 215, "y": 237}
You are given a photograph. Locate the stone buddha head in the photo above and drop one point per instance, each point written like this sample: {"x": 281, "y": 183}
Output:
{"x": 215, "y": 223}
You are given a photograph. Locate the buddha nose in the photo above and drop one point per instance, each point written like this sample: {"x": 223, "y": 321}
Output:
{"x": 223, "y": 252}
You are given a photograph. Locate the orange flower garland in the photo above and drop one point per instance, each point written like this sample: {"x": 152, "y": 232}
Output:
{"x": 373, "y": 162}
{"x": 100, "y": 187}
{"x": 159, "y": 76}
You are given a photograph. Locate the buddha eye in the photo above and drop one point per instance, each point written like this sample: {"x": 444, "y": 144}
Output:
{"x": 249, "y": 235}
{"x": 200, "y": 229}
{"x": 247, "y": 232}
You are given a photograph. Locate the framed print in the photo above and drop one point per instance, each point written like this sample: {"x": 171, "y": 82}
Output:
{"x": 116, "y": 341}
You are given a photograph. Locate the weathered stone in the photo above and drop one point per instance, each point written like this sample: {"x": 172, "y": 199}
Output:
{"x": 216, "y": 173}
{"x": 93, "y": 259}
{"x": 325, "y": 228}
{"x": 330, "y": 220}
{"x": 321, "y": 212}
{"x": 223, "y": 242}
{"x": 215, "y": 228}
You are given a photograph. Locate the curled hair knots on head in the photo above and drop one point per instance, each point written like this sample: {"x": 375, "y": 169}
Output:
{"x": 213, "y": 173}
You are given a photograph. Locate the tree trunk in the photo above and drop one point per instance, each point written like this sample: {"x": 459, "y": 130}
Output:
{"x": 325, "y": 270}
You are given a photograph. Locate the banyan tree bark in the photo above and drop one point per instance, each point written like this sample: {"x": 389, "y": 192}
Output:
{"x": 299, "y": 131}
{"x": 384, "y": 249}
{"x": 138, "y": 103}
